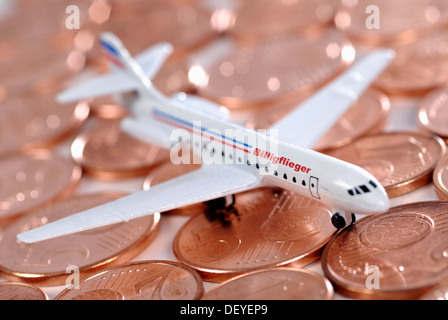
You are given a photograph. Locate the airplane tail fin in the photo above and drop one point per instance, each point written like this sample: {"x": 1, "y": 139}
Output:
{"x": 114, "y": 51}
{"x": 126, "y": 74}
{"x": 117, "y": 55}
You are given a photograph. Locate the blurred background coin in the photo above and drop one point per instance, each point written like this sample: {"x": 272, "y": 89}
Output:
{"x": 33, "y": 180}
{"x": 38, "y": 122}
{"x": 432, "y": 113}
{"x": 280, "y": 68}
{"x": 21, "y": 291}
{"x": 105, "y": 152}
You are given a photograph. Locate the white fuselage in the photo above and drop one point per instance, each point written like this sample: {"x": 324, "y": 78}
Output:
{"x": 304, "y": 171}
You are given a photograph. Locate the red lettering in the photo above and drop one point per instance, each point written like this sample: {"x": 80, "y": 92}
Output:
{"x": 284, "y": 161}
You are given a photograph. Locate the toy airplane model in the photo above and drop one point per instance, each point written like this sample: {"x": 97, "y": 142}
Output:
{"x": 235, "y": 158}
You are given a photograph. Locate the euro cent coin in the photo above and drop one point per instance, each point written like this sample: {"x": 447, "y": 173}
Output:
{"x": 274, "y": 284}
{"x": 37, "y": 122}
{"x": 398, "y": 254}
{"x": 142, "y": 280}
{"x": 401, "y": 161}
{"x": 279, "y": 68}
{"x": 21, "y": 291}
{"x": 432, "y": 113}
{"x": 46, "y": 262}
{"x": 35, "y": 179}
{"x": 440, "y": 178}
{"x": 107, "y": 153}
{"x": 269, "y": 228}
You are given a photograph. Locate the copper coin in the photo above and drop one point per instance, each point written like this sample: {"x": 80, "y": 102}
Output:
{"x": 274, "y": 284}
{"x": 401, "y": 161}
{"x": 380, "y": 22}
{"x": 437, "y": 293}
{"x": 51, "y": 70}
{"x": 37, "y": 122}
{"x": 398, "y": 254}
{"x": 261, "y": 19}
{"x": 269, "y": 228}
{"x": 34, "y": 180}
{"x": 142, "y": 280}
{"x": 433, "y": 112}
{"x": 186, "y": 26}
{"x": 38, "y": 20}
{"x": 418, "y": 68}
{"x": 173, "y": 78}
{"x": 21, "y": 291}
{"x": 278, "y": 68}
{"x": 366, "y": 116}
{"x": 107, "y": 153}
{"x": 168, "y": 171}
{"x": 107, "y": 108}
{"x": 46, "y": 262}
{"x": 440, "y": 178}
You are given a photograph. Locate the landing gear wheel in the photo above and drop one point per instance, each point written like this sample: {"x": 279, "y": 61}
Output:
{"x": 338, "y": 221}
{"x": 222, "y": 208}
{"x": 353, "y": 219}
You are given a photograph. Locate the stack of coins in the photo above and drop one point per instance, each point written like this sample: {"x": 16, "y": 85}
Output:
{"x": 260, "y": 60}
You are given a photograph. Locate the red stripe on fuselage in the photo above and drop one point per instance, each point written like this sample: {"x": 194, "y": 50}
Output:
{"x": 175, "y": 124}
{"x": 113, "y": 59}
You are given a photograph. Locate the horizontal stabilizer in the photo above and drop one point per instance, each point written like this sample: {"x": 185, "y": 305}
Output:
{"x": 119, "y": 80}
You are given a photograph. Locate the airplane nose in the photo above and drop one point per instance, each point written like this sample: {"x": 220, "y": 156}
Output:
{"x": 383, "y": 202}
{"x": 378, "y": 202}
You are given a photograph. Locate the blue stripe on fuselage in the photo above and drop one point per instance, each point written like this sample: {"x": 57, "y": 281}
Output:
{"x": 109, "y": 48}
{"x": 189, "y": 124}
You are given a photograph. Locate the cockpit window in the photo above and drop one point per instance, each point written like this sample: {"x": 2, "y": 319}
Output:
{"x": 361, "y": 189}
{"x": 364, "y": 188}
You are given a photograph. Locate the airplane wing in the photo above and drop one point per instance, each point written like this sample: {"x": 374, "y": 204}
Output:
{"x": 117, "y": 81}
{"x": 207, "y": 183}
{"x": 306, "y": 124}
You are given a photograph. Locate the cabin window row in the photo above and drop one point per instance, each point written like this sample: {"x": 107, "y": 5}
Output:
{"x": 276, "y": 173}
{"x": 240, "y": 160}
